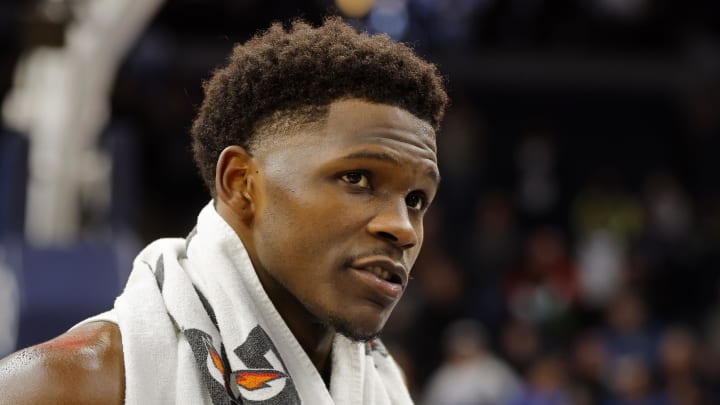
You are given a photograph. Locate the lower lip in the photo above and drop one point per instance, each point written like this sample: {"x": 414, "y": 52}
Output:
{"x": 391, "y": 291}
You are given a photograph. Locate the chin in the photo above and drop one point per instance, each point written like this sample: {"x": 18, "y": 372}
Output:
{"x": 355, "y": 331}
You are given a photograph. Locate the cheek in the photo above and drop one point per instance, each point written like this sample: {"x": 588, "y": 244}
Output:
{"x": 306, "y": 224}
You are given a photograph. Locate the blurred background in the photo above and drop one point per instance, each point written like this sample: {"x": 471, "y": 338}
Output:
{"x": 572, "y": 256}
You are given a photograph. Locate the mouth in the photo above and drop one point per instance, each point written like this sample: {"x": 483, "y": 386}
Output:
{"x": 384, "y": 269}
{"x": 383, "y": 274}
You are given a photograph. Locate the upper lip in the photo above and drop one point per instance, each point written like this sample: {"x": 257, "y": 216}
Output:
{"x": 385, "y": 263}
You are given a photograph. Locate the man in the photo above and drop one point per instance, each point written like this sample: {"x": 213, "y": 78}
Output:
{"x": 318, "y": 148}
{"x": 470, "y": 373}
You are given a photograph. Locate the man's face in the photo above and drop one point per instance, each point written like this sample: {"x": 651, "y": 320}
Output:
{"x": 338, "y": 224}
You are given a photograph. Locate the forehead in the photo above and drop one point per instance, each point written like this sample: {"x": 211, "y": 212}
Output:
{"x": 365, "y": 119}
{"x": 358, "y": 128}
{"x": 357, "y": 123}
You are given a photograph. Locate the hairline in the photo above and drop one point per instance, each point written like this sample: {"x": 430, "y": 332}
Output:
{"x": 286, "y": 122}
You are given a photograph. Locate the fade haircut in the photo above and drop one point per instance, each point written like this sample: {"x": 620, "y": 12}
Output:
{"x": 280, "y": 79}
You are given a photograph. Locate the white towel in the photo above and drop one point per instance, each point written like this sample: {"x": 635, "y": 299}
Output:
{"x": 197, "y": 327}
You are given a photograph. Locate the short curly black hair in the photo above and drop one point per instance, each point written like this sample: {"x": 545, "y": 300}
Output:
{"x": 298, "y": 73}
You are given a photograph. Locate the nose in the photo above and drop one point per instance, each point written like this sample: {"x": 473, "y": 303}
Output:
{"x": 392, "y": 223}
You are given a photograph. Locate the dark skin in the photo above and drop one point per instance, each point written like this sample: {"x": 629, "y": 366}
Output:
{"x": 343, "y": 202}
{"x": 82, "y": 366}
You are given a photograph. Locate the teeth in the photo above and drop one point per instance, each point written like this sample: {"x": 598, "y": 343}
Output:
{"x": 379, "y": 272}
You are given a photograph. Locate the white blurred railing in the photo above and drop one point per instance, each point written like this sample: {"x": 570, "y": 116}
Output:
{"x": 61, "y": 100}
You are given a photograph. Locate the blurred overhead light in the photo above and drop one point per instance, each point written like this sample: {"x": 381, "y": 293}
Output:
{"x": 354, "y": 8}
{"x": 390, "y": 17}
{"x": 623, "y": 9}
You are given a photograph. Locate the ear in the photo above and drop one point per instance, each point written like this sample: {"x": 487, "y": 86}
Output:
{"x": 234, "y": 182}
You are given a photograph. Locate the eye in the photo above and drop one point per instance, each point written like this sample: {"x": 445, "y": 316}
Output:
{"x": 417, "y": 200}
{"x": 359, "y": 179}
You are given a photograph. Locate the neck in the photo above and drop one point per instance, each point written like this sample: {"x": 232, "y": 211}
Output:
{"x": 314, "y": 336}
{"x": 317, "y": 342}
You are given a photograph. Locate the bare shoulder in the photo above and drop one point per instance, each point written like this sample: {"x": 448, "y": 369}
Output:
{"x": 82, "y": 366}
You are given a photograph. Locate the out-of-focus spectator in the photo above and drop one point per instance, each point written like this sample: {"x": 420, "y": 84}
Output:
{"x": 708, "y": 360}
{"x": 627, "y": 333}
{"x": 545, "y": 285}
{"x": 678, "y": 349}
{"x": 678, "y": 357}
{"x": 494, "y": 241}
{"x": 491, "y": 253}
{"x": 546, "y": 384}
{"x": 605, "y": 205}
{"x": 470, "y": 373}
{"x": 668, "y": 247}
{"x": 632, "y": 384}
{"x": 437, "y": 300}
{"x": 520, "y": 343}
{"x": 537, "y": 186}
{"x": 668, "y": 208}
{"x": 589, "y": 368}
{"x": 601, "y": 263}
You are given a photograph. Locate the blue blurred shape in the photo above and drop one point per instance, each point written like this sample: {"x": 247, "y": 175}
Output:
{"x": 390, "y": 17}
{"x": 121, "y": 142}
{"x": 60, "y": 287}
{"x": 13, "y": 182}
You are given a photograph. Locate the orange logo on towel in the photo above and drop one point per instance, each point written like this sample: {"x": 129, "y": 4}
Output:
{"x": 214, "y": 355}
{"x": 252, "y": 380}
{"x": 217, "y": 361}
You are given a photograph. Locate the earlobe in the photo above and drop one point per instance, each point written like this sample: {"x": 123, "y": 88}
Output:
{"x": 234, "y": 181}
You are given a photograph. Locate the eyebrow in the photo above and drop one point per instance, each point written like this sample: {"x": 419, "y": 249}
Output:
{"x": 386, "y": 157}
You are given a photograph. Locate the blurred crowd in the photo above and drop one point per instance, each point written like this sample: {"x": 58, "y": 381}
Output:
{"x": 572, "y": 254}
{"x": 537, "y": 291}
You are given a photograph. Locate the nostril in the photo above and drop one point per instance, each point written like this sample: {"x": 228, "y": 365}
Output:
{"x": 387, "y": 235}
